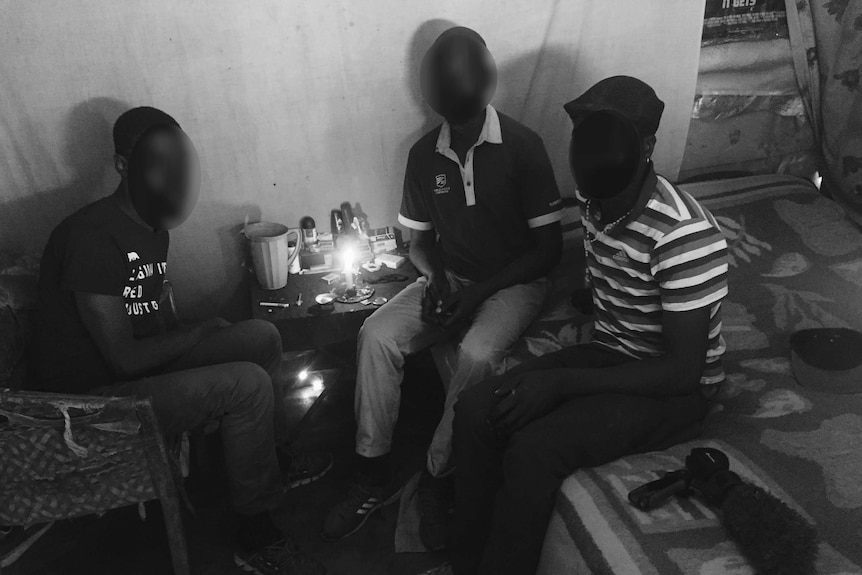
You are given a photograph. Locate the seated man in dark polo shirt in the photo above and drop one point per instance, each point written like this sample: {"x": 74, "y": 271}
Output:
{"x": 482, "y": 201}
{"x": 101, "y": 332}
{"x": 657, "y": 271}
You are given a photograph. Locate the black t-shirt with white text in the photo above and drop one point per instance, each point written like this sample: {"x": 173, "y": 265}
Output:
{"x": 99, "y": 250}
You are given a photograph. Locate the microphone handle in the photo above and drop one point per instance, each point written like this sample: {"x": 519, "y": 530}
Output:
{"x": 655, "y": 493}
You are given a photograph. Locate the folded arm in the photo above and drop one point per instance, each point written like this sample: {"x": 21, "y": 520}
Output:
{"x": 108, "y": 324}
{"x": 529, "y": 395}
{"x": 533, "y": 264}
{"x": 677, "y": 371}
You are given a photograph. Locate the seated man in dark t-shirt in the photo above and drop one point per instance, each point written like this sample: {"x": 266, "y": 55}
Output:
{"x": 101, "y": 332}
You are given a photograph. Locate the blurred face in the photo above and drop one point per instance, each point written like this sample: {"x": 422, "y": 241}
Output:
{"x": 164, "y": 177}
{"x": 458, "y": 78}
{"x": 606, "y": 155}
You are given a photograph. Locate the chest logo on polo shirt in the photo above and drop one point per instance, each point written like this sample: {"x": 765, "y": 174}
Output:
{"x": 440, "y": 186}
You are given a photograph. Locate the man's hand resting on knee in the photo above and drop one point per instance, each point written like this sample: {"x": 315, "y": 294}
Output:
{"x": 522, "y": 399}
{"x": 528, "y": 396}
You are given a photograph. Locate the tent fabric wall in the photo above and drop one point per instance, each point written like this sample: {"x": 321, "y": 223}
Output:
{"x": 826, "y": 37}
{"x": 294, "y": 106}
{"x": 748, "y": 113}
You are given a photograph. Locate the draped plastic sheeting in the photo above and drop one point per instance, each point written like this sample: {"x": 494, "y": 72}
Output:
{"x": 295, "y": 106}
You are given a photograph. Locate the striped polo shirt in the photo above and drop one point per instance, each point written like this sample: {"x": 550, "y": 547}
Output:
{"x": 669, "y": 255}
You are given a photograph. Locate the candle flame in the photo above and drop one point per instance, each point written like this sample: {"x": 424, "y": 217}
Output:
{"x": 348, "y": 254}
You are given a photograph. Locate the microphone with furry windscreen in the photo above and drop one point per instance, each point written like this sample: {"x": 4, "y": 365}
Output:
{"x": 773, "y": 537}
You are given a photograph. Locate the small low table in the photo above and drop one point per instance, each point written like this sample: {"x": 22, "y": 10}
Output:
{"x": 312, "y": 326}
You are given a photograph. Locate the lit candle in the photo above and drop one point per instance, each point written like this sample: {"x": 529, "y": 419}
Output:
{"x": 349, "y": 257}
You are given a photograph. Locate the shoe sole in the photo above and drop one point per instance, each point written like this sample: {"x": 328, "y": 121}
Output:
{"x": 307, "y": 480}
{"x": 392, "y": 499}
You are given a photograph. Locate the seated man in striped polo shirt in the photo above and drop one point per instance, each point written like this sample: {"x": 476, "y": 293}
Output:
{"x": 656, "y": 266}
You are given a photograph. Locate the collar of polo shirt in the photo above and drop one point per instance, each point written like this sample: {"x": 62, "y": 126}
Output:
{"x": 490, "y": 133}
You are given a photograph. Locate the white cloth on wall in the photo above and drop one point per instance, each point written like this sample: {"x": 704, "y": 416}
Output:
{"x": 294, "y": 106}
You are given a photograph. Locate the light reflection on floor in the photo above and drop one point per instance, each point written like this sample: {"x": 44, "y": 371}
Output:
{"x": 306, "y": 376}
{"x": 308, "y": 385}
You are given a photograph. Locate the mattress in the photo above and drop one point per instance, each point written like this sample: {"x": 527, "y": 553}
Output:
{"x": 796, "y": 262}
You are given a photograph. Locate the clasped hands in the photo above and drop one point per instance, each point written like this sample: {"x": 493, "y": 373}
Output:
{"x": 443, "y": 308}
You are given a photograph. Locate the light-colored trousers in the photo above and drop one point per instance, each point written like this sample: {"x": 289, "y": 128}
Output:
{"x": 397, "y": 330}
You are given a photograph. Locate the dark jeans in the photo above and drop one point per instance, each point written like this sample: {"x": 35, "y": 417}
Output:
{"x": 505, "y": 488}
{"x": 229, "y": 376}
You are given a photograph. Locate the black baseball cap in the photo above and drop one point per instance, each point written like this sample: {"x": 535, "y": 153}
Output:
{"x": 625, "y": 96}
{"x": 134, "y": 123}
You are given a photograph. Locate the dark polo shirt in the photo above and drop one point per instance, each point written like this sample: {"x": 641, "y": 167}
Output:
{"x": 484, "y": 209}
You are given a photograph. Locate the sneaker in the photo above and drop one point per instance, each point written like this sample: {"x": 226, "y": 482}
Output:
{"x": 298, "y": 469}
{"x": 281, "y": 558}
{"x": 363, "y": 498}
{"x": 436, "y": 506}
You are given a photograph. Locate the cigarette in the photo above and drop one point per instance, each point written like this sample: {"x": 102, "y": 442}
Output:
{"x": 273, "y": 304}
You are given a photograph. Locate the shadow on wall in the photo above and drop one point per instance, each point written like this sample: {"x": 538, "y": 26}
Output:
{"x": 225, "y": 290}
{"x": 88, "y": 152}
{"x": 422, "y": 39}
{"x": 532, "y": 88}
